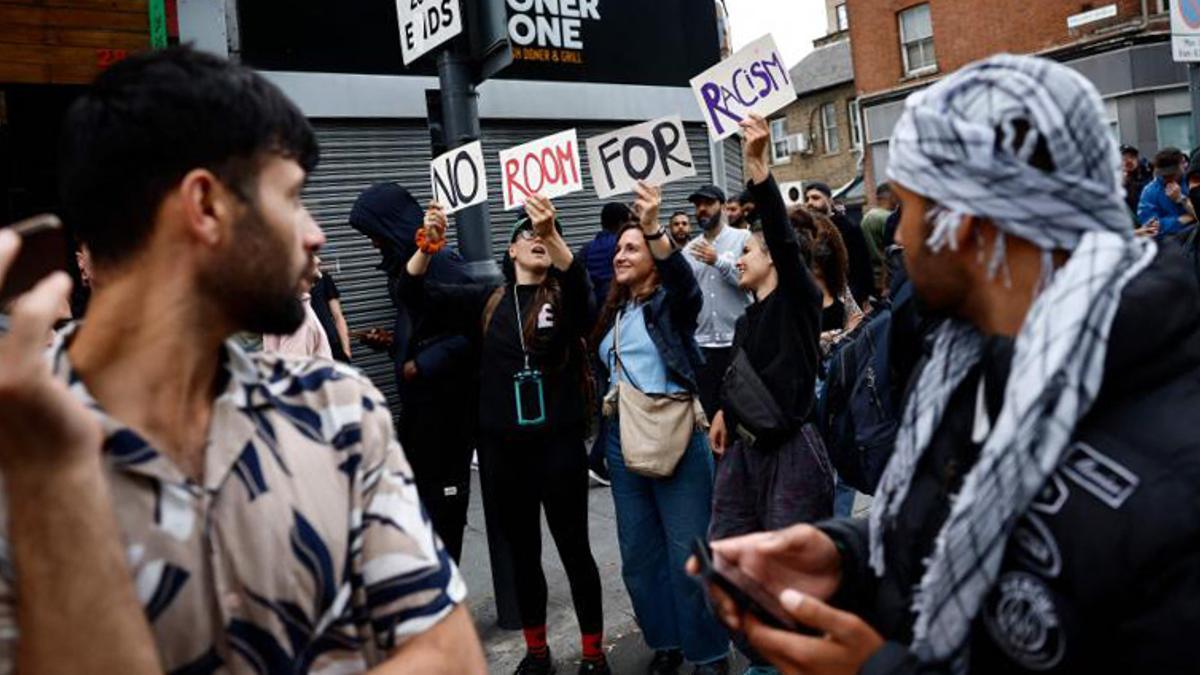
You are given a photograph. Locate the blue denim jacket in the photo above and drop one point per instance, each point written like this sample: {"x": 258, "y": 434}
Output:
{"x": 671, "y": 317}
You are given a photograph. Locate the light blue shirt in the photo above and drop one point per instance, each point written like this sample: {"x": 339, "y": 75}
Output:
{"x": 724, "y": 302}
{"x": 639, "y": 355}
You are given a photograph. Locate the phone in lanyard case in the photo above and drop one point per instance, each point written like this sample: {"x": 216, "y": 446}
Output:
{"x": 527, "y": 384}
{"x": 531, "y": 398}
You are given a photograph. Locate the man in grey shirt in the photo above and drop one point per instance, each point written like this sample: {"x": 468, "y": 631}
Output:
{"x": 713, "y": 256}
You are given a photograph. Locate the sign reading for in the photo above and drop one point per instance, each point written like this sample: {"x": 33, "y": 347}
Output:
{"x": 654, "y": 152}
{"x": 1185, "y": 30}
{"x": 458, "y": 178}
{"x": 549, "y": 165}
{"x": 754, "y": 80}
{"x": 425, "y": 24}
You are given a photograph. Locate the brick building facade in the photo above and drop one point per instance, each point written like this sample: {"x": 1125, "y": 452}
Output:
{"x": 900, "y": 46}
{"x": 825, "y": 117}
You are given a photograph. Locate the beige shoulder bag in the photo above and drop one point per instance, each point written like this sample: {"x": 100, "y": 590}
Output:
{"x": 655, "y": 429}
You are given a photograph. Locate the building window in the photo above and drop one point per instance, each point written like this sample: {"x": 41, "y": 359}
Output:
{"x": 916, "y": 40}
{"x": 843, "y": 18}
{"x": 830, "y": 129}
{"x": 779, "y": 141}
{"x": 1176, "y": 131}
{"x": 855, "y": 124}
{"x": 1164, "y": 6}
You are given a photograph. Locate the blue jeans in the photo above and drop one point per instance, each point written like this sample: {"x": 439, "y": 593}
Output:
{"x": 843, "y": 499}
{"x": 657, "y": 521}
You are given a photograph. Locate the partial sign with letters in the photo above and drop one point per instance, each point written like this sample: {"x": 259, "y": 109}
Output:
{"x": 654, "y": 152}
{"x": 754, "y": 80}
{"x": 548, "y": 165}
{"x": 458, "y": 178}
{"x": 426, "y": 24}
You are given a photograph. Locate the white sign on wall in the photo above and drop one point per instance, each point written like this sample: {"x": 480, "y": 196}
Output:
{"x": 654, "y": 152}
{"x": 426, "y": 24}
{"x": 1185, "y": 30}
{"x": 1084, "y": 18}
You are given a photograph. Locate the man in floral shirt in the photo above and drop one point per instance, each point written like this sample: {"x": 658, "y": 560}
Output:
{"x": 173, "y": 504}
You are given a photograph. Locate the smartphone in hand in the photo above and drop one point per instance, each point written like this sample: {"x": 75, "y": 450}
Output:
{"x": 43, "y": 251}
{"x": 749, "y": 595}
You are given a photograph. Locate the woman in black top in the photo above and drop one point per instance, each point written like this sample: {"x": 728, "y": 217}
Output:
{"x": 771, "y": 475}
{"x": 531, "y": 411}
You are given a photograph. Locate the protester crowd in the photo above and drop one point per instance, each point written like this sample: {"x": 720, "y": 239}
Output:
{"x": 1002, "y": 353}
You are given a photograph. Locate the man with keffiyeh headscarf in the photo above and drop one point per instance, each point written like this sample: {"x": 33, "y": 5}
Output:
{"x": 1040, "y": 512}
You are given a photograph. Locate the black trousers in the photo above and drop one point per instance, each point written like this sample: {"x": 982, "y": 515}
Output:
{"x": 535, "y": 472}
{"x": 716, "y": 362}
{"x": 440, "y": 455}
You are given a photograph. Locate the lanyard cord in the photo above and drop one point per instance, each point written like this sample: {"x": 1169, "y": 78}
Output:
{"x": 520, "y": 325}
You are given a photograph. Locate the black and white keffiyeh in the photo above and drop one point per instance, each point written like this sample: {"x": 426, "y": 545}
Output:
{"x": 958, "y": 144}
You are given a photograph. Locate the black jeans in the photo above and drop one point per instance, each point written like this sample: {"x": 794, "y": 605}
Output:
{"x": 536, "y": 471}
{"x": 708, "y": 379}
{"x": 440, "y": 456}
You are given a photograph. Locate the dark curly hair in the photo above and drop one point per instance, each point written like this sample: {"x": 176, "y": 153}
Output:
{"x": 822, "y": 247}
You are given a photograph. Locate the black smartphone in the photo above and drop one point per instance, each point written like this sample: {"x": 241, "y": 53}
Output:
{"x": 746, "y": 593}
{"x": 43, "y": 250}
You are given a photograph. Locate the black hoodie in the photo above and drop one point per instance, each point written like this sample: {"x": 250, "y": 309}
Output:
{"x": 1102, "y": 572}
{"x": 445, "y": 359}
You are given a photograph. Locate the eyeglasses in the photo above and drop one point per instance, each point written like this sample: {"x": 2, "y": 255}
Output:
{"x": 526, "y": 235}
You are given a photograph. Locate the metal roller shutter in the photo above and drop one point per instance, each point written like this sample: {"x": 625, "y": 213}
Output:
{"x": 357, "y": 154}
{"x": 733, "y": 165}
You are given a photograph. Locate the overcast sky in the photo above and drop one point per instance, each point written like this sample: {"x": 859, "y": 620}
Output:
{"x": 794, "y": 23}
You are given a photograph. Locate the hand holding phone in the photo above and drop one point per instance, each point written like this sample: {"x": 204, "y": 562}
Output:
{"x": 44, "y": 429}
{"x": 43, "y": 250}
{"x": 746, "y": 594}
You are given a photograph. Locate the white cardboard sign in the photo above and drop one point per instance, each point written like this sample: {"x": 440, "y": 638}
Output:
{"x": 654, "y": 152}
{"x": 458, "y": 177}
{"x": 549, "y": 165}
{"x": 426, "y": 24}
{"x": 754, "y": 80}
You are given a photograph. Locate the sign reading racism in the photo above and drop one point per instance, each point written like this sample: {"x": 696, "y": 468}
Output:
{"x": 549, "y": 165}
{"x": 754, "y": 80}
{"x": 654, "y": 152}
{"x": 458, "y": 178}
{"x": 425, "y": 24}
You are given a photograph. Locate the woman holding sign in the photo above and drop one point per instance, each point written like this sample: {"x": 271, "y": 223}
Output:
{"x": 774, "y": 471}
{"x": 532, "y": 410}
{"x": 658, "y": 457}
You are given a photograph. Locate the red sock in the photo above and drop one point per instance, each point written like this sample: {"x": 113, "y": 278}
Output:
{"x": 592, "y": 650}
{"x": 535, "y": 640}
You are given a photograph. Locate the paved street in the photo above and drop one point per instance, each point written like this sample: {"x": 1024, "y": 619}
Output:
{"x": 626, "y": 651}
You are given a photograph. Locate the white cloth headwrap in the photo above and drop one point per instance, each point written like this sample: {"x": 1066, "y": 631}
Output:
{"x": 946, "y": 147}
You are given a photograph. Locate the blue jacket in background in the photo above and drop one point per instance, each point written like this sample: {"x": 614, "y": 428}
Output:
{"x": 1155, "y": 204}
{"x": 598, "y": 256}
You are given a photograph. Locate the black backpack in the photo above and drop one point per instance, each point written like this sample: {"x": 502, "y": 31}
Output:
{"x": 858, "y": 411}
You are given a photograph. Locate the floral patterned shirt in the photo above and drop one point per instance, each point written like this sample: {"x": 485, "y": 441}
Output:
{"x": 305, "y": 549}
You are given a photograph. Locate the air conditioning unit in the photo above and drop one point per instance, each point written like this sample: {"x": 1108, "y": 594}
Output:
{"x": 793, "y": 193}
{"x": 798, "y": 144}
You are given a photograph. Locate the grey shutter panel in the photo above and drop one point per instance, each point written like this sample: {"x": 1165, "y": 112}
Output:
{"x": 356, "y": 154}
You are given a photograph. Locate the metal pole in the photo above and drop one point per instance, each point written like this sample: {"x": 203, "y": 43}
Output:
{"x": 460, "y": 113}
{"x": 1194, "y": 92}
